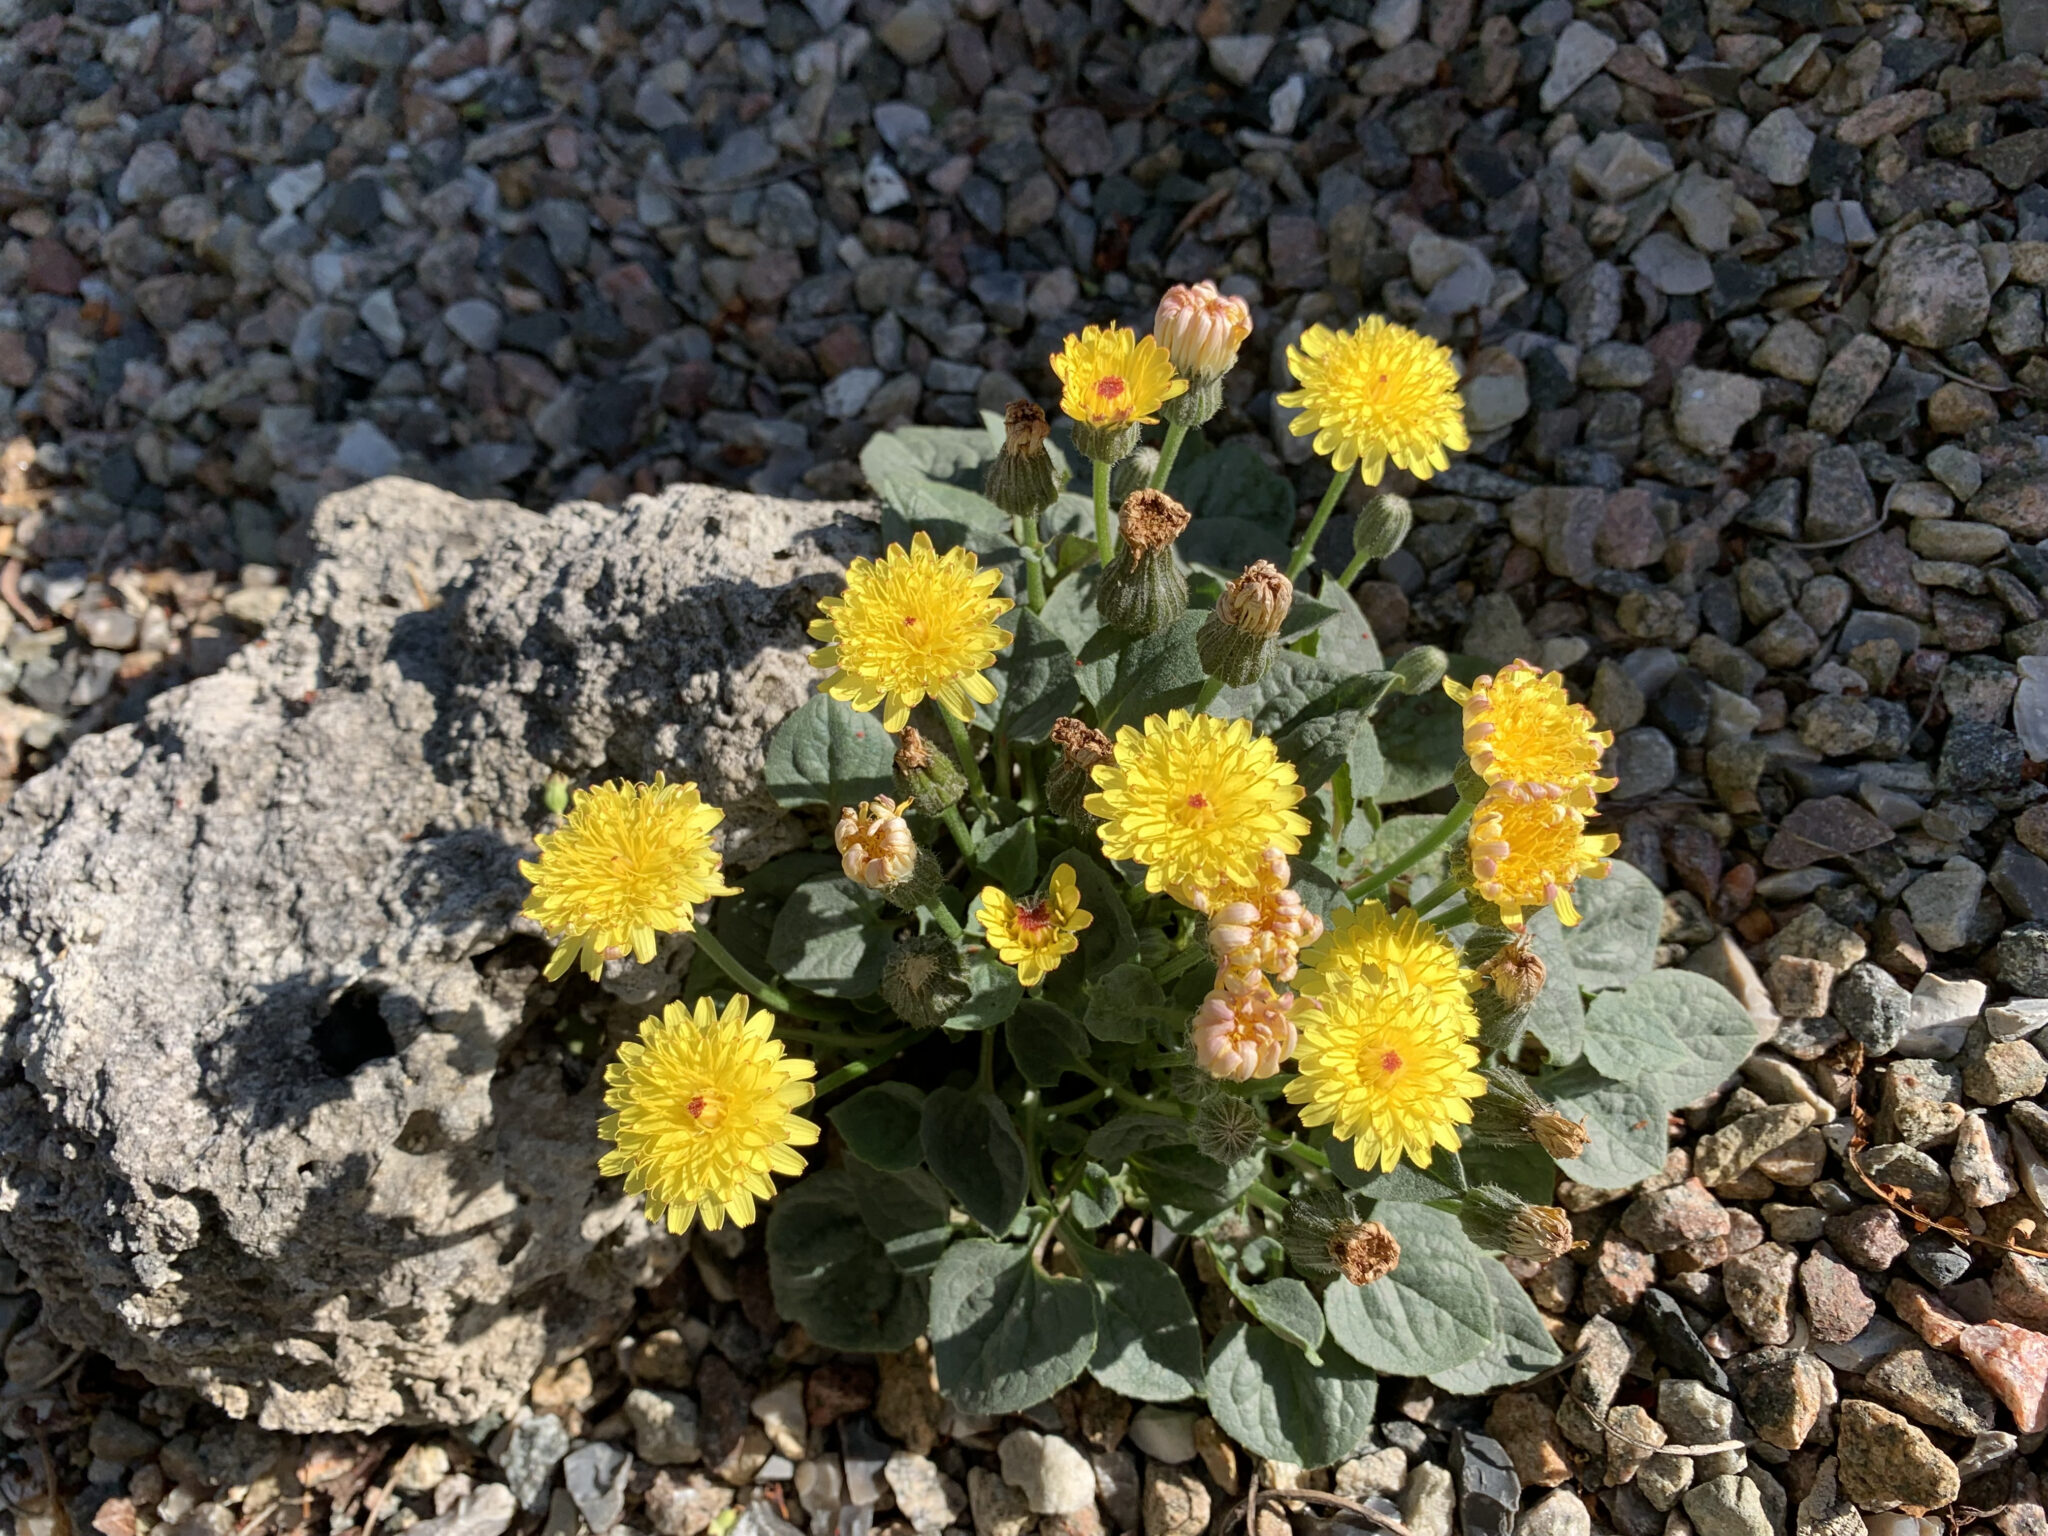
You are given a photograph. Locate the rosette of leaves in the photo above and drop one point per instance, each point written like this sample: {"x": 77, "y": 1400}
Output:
{"x": 983, "y": 1195}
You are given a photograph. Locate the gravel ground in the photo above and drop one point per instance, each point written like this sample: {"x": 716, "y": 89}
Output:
{"x": 1750, "y": 301}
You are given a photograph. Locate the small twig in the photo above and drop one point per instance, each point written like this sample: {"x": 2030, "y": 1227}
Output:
{"x": 1608, "y": 1425}
{"x": 1846, "y": 538}
{"x": 1196, "y": 214}
{"x": 60, "y": 1373}
{"x": 1309, "y": 1496}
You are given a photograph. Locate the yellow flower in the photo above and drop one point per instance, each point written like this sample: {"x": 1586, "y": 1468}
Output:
{"x": 912, "y": 626}
{"x": 1527, "y": 855}
{"x": 706, "y": 1110}
{"x": 1256, "y": 928}
{"x": 632, "y": 861}
{"x": 1379, "y": 392}
{"x": 1386, "y": 1061}
{"x": 1112, "y": 377}
{"x": 1201, "y": 329}
{"x": 1524, "y": 735}
{"x": 1033, "y": 935}
{"x": 1197, "y": 800}
{"x": 1242, "y": 1033}
{"x": 875, "y": 847}
{"x": 1368, "y": 944}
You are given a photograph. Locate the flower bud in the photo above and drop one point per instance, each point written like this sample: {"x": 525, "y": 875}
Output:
{"x": 1142, "y": 590}
{"x": 1325, "y": 1237}
{"x": 1201, "y": 329}
{"x": 1242, "y": 1034}
{"x": 1419, "y": 669}
{"x": 1382, "y": 526}
{"x": 1072, "y": 778}
{"x": 875, "y": 846}
{"x": 923, "y": 882}
{"x": 925, "y": 980}
{"x": 933, "y": 779}
{"x": 1238, "y": 640}
{"x": 1503, "y": 1222}
{"x": 1516, "y": 972}
{"x": 1133, "y": 474}
{"x": 555, "y": 793}
{"x": 1226, "y": 1128}
{"x": 1470, "y": 786}
{"x": 1107, "y": 444}
{"x": 1020, "y": 478}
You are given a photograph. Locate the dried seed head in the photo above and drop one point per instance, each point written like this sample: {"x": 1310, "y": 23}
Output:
{"x": 1516, "y": 972}
{"x": 1539, "y": 1232}
{"x": 1364, "y": 1251}
{"x": 1151, "y": 520}
{"x": 1024, "y": 427}
{"x": 1081, "y": 744}
{"x": 1226, "y": 1128}
{"x": 1257, "y": 602}
{"x": 1561, "y": 1137}
{"x": 1512, "y": 1113}
{"x": 913, "y": 751}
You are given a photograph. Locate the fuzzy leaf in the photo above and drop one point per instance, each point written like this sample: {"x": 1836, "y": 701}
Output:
{"x": 1153, "y": 673}
{"x": 826, "y": 754}
{"x": 1709, "y": 1030}
{"x": 883, "y": 1125}
{"x": 907, "y": 1213}
{"x": 972, "y": 1147}
{"x": 830, "y": 1274}
{"x": 1622, "y": 917}
{"x": 1433, "y": 1311}
{"x": 1422, "y": 737}
{"x": 1234, "y": 482}
{"x": 1004, "y": 1334}
{"x": 1147, "y": 1345}
{"x": 1128, "y": 1004}
{"x": 1521, "y": 1347}
{"x": 1269, "y": 1399}
{"x": 829, "y": 939}
{"x": 1045, "y": 1042}
{"x": 1626, "y": 1122}
{"x": 1043, "y": 684}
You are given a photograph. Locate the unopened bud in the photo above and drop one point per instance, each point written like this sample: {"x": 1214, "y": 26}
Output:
{"x": 875, "y": 847}
{"x": 1142, "y": 590}
{"x": 1503, "y": 1222}
{"x": 1516, "y": 972}
{"x": 1382, "y": 526}
{"x": 925, "y": 980}
{"x": 1133, "y": 473}
{"x": 1238, "y": 640}
{"x": 1226, "y": 1128}
{"x": 931, "y": 778}
{"x": 1083, "y": 749}
{"x": 1512, "y": 1113}
{"x": 1420, "y": 668}
{"x": 1106, "y": 444}
{"x": 1020, "y": 479}
{"x": 555, "y": 793}
{"x": 1201, "y": 329}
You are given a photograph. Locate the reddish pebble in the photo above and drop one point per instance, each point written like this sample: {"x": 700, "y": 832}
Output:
{"x": 2013, "y": 1362}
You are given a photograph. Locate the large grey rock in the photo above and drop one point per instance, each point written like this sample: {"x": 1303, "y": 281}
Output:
{"x": 271, "y": 1126}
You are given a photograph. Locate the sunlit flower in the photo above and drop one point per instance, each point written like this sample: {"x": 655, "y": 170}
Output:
{"x": 1033, "y": 935}
{"x": 1197, "y": 800}
{"x": 1201, "y": 328}
{"x": 1111, "y": 376}
{"x": 1524, "y": 735}
{"x": 1258, "y": 927}
{"x": 1386, "y": 1058}
{"x": 706, "y": 1110}
{"x": 909, "y": 626}
{"x": 875, "y": 846}
{"x": 1374, "y": 394}
{"x": 1370, "y": 943}
{"x": 1244, "y": 1032}
{"x": 630, "y": 863}
{"x": 1527, "y": 855}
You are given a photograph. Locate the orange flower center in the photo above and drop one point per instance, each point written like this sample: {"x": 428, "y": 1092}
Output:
{"x": 1198, "y": 801}
{"x": 1390, "y": 1063}
{"x": 1034, "y": 917}
{"x": 1109, "y": 388}
{"x": 707, "y": 1110}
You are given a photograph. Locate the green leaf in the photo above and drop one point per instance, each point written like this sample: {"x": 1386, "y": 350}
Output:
{"x": 996, "y": 994}
{"x": 1095, "y": 1199}
{"x": 1345, "y": 638}
{"x": 1290, "y": 1309}
{"x": 1045, "y": 1043}
{"x": 1128, "y": 1004}
{"x": 1127, "y": 1135}
{"x": 972, "y": 1147}
{"x": 1630, "y": 1043}
{"x": 1226, "y": 545}
{"x": 954, "y": 455}
{"x": 1443, "y": 1179}
{"x": 1626, "y": 1123}
{"x": 1422, "y": 737}
{"x": 745, "y": 923}
{"x": 1700, "y": 1016}
{"x": 1319, "y": 737}
{"x": 1433, "y": 1311}
{"x": 1270, "y": 1400}
{"x": 1291, "y": 685}
{"x": 1368, "y": 767}
{"x": 829, "y": 940}
{"x": 1558, "y": 1016}
{"x": 1147, "y": 1344}
{"x": 1621, "y": 918}
{"x": 829, "y": 1273}
{"x": 1192, "y": 1184}
{"x": 1525, "y": 1170}
{"x": 826, "y": 754}
{"x": 1152, "y": 674}
{"x": 1070, "y": 614}
{"x": 1521, "y": 1347}
{"x": 907, "y": 1213}
{"x": 1234, "y": 482}
{"x": 1043, "y": 681}
{"x": 1006, "y": 1336}
{"x": 883, "y": 1125}
{"x": 1009, "y": 857}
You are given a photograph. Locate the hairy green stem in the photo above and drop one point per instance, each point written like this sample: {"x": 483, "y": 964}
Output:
{"x": 764, "y": 992}
{"x": 958, "y": 827}
{"x": 1373, "y": 884}
{"x": 1002, "y": 767}
{"x": 963, "y": 753}
{"x": 855, "y": 1070}
{"x": 1461, "y": 913}
{"x": 949, "y": 925}
{"x": 1104, "y": 546}
{"x": 1185, "y": 961}
{"x": 1305, "y": 551}
{"x": 1211, "y": 687}
{"x": 1267, "y": 1198}
{"x": 1169, "y": 450}
{"x": 1025, "y": 530}
{"x": 1353, "y": 571}
{"x": 1437, "y": 896}
{"x": 1297, "y": 1151}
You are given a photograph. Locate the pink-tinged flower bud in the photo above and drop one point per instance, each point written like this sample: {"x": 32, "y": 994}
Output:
{"x": 875, "y": 846}
{"x": 1201, "y": 329}
{"x": 1244, "y": 1034}
{"x": 1258, "y": 928}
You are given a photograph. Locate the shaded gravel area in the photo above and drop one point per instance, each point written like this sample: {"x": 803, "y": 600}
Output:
{"x": 1750, "y": 304}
